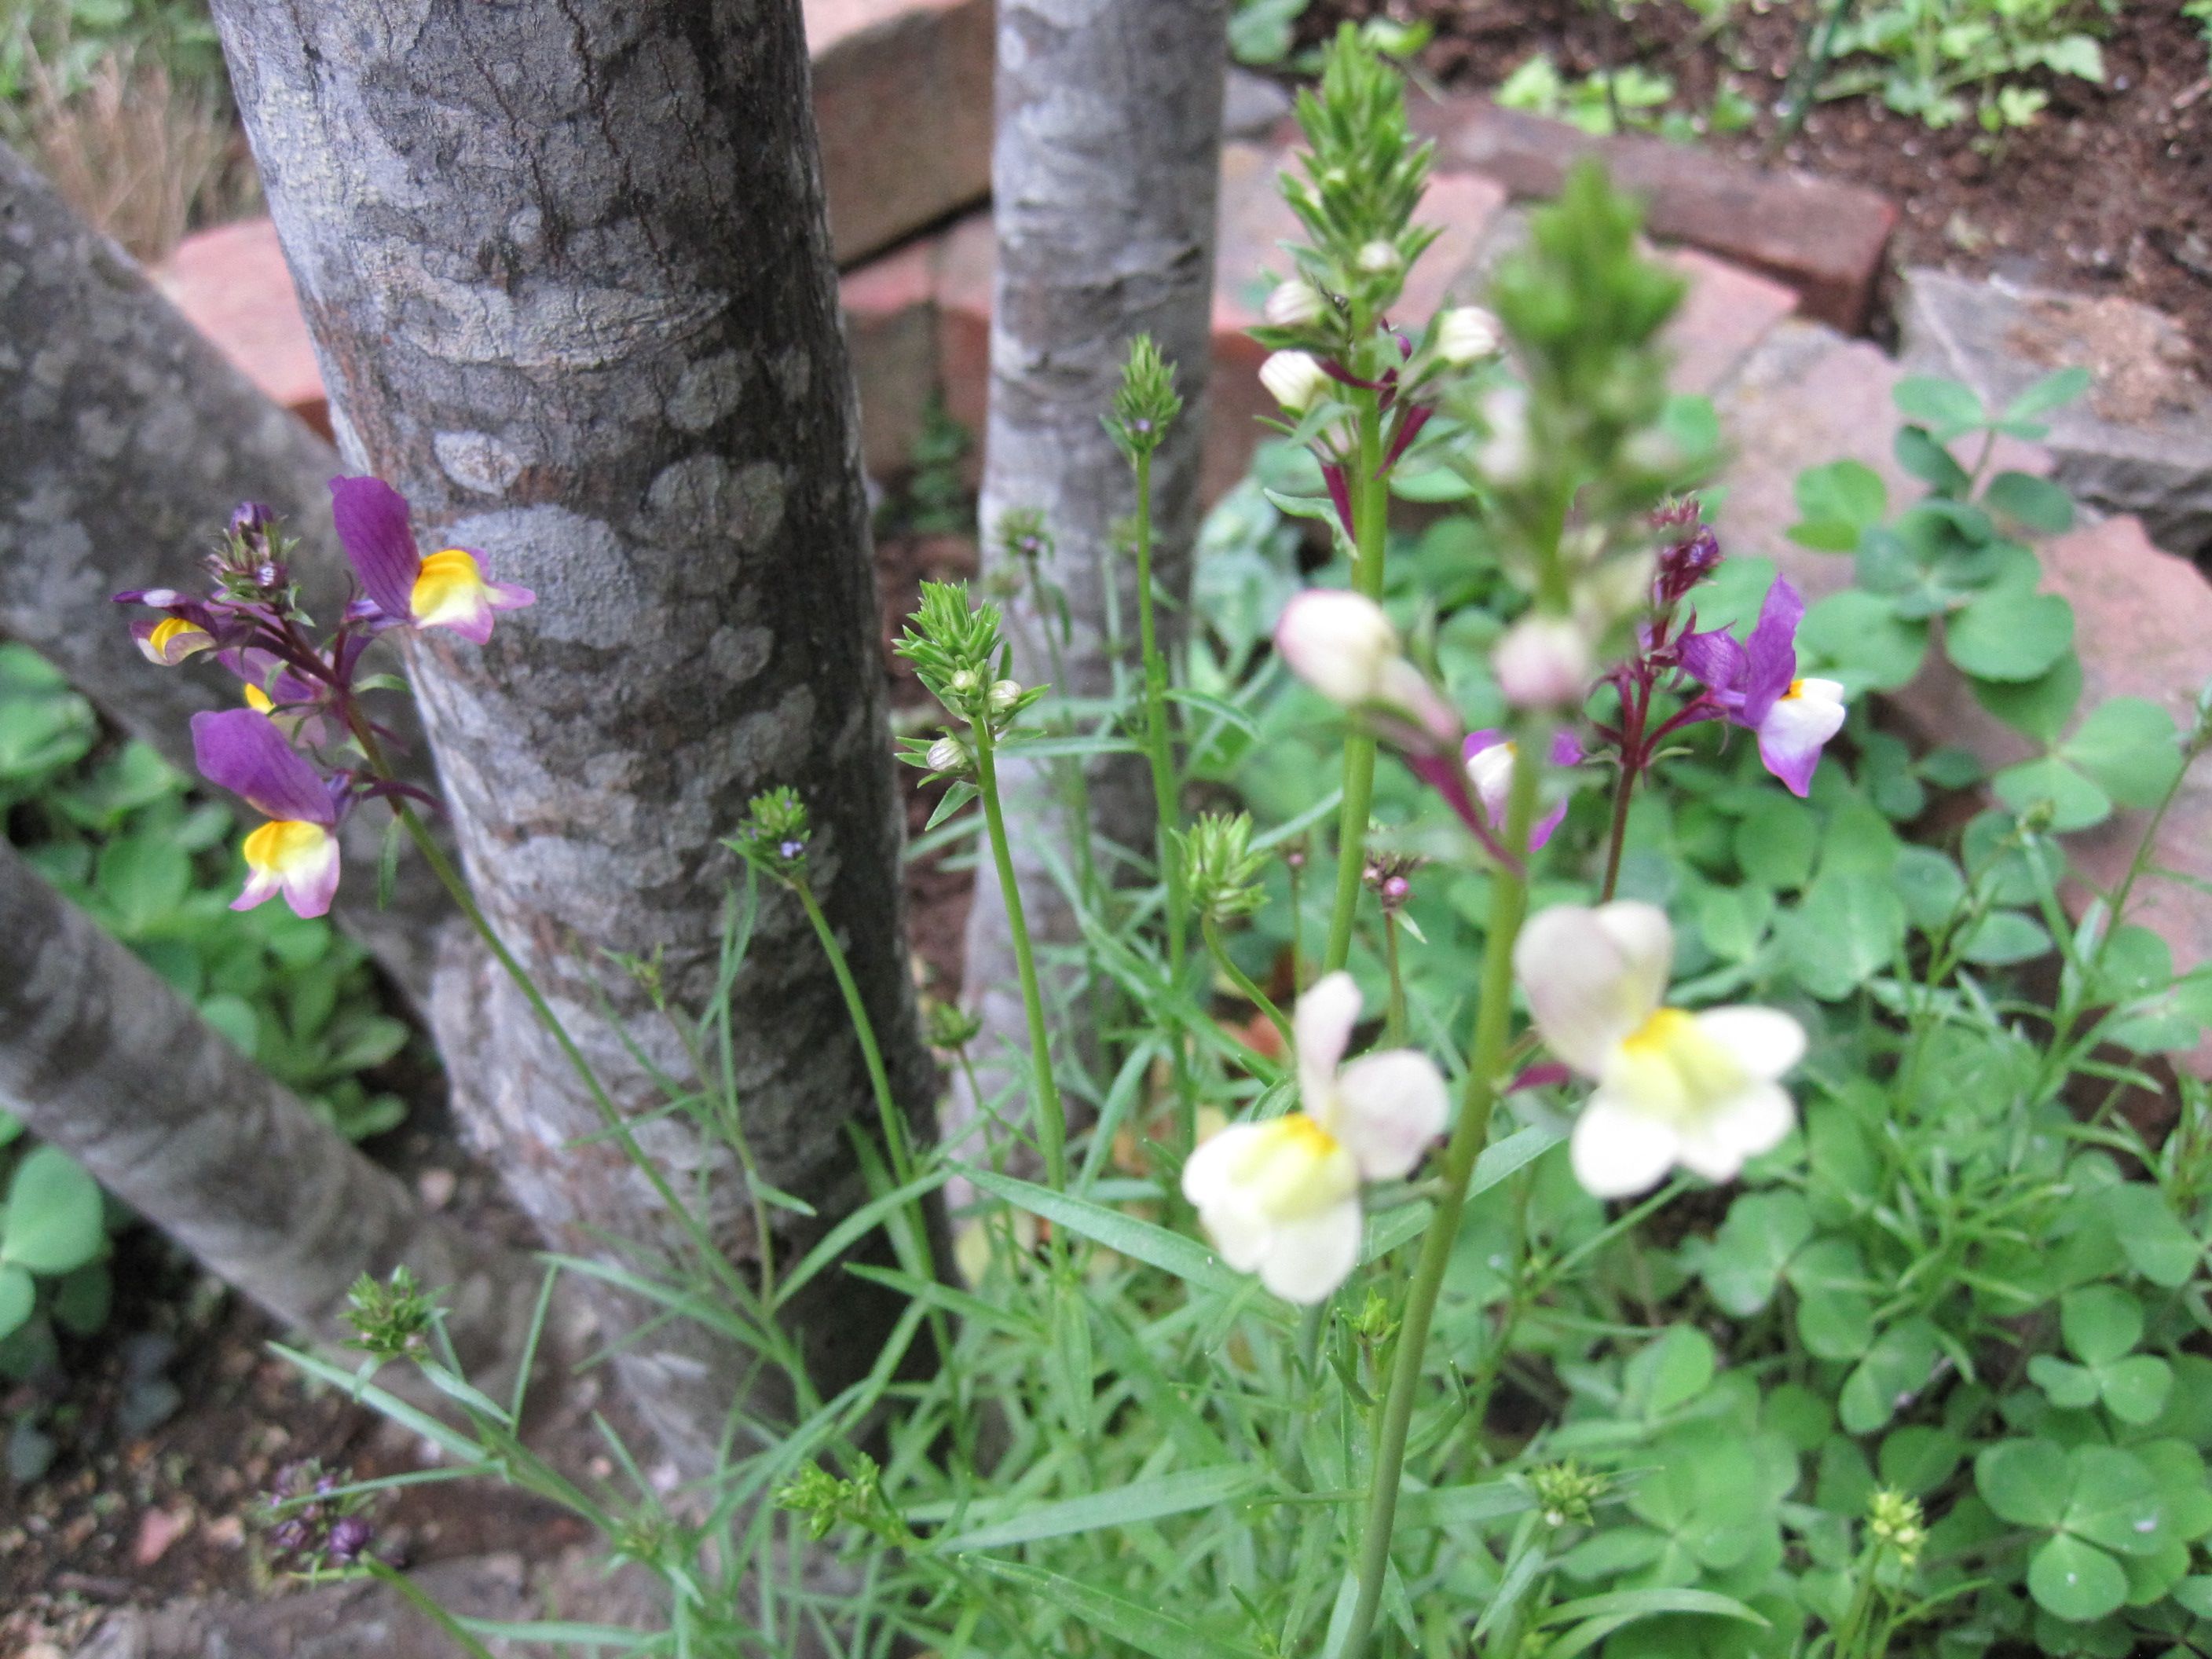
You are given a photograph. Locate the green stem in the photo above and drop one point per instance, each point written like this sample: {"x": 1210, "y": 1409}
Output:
{"x": 1509, "y": 903}
{"x": 1371, "y": 502}
{"x": 1298, "y": 931}
{"x": 1160, "y": 752}
{"x": 887, "y": 1112}
{"x": 1395, "y": 1022}
{"x": 1052, "y": 1119}
{"x": 1243, "y": 982}
{"x": 1078, "y": 782}
{"x": 609, "y": 1114}
{"x": 1158, "y": 747}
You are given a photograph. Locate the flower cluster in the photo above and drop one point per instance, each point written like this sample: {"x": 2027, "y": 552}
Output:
{"x": 1280, "y": 1198}
{"x": 959, "y": 652}
{"x": 302, "y": 689}
{"x": 312, "y": 1526}
{"x": 1328, "y": 326}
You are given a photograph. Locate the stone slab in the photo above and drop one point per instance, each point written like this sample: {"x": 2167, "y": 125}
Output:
{"x": 903, "y": 99}
{"x": 234, "y": 285}
{"x": 2142, "y": 621}
{"x": 1807, "y": 395}
{"x": 2140, "y": 442}
{"x": 1726, "y": 314}
{"x": 1825, "y": 239}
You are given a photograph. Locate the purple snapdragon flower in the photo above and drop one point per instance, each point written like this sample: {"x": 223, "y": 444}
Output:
{"x": 301, "y": 685}
{"x": 296, "y": 852}
{"x": 1756, "y": 685}
{"x": 448, "y": 589}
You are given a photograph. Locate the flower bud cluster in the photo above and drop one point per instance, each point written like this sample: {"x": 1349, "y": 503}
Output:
{"x": 1566, "y": 1493}
{"x": 1895, "y": 1519}
{"x": 828, "y": 1502}
{"x": 773, "y": 834}
{"x": 959, "y": 652}
{"x": 1221, "y": 872}
{"x": 1146, "y": 404}
{"x": 390, "y": 1318}
{"x": 311, "y": 1527}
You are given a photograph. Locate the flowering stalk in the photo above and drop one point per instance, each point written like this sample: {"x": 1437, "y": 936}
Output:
{"x": 1509, "y": 905}
{"x": 1144, "y": 408}
{"x": 1051, "y": 1115}
{"x": 1370, "y": 510}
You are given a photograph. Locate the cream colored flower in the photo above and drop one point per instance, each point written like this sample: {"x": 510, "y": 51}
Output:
{"x": 1281, "y": 1198}
{"x": 1295, "y": 304}
{"x": 1341, "y": 644}
{"x": 1468, "y": 334}
{"x": 1700, "y": 1090}
{"x": 1294, "y": 379}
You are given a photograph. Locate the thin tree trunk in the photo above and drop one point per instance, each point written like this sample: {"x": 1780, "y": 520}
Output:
{"x": 128, "y": 440}
{"x": 568, "y": 274}
{"x": 1103, "y": 181}
{"x": 102, "y": 1059}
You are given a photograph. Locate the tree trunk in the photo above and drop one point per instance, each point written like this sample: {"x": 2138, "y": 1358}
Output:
{"x": 130, "y": 439}
{"x": 567, "y": 271}
{"x": 1103, "y": 182}
{"x": 102, "y": 1059}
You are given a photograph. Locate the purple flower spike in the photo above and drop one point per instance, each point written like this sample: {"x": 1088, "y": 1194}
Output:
{"x": 1488, "y": 755}
{"x": 240, "y": 750}
{"x": 373, "y": 528}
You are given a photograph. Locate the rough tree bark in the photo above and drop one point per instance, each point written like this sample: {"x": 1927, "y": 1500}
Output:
{"x": 103, "y": 1060}
{"x": 567, "y": 269}
{"x": 129, "y": 439}
{"x": 1103, "y": 181}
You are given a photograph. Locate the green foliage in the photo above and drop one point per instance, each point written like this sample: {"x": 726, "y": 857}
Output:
{"x": 1924, "y": 1379}
{"x": 114, "y": 828}
{"x": 1941, "y": 60}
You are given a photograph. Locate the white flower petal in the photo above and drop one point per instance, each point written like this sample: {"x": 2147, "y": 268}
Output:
{"x": 1212, "y": 1168}
{"x": 1618, "y": 1150}
{"x": 1765, "y": 1042}
{"x": 1337, "y": 642}
{"x": 1322, "y": 1026}
{"x": 1592, "y": 976}
{"x": 1390, "y": 1107}
{"x": 1309, "y": 1257}
{"x": 1240, "y": 1232}
{"x": 1717, "y": 1144}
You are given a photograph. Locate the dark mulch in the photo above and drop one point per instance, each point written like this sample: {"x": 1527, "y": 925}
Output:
{"x": 2105, "y": 193}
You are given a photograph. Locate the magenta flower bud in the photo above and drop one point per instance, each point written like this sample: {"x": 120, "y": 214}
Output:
{"x": 350, "y": 1538}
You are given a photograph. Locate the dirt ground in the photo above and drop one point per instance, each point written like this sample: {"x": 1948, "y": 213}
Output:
{"x": 2103, "y": 194}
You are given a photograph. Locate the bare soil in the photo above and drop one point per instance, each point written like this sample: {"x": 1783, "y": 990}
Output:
{"x": 2103, "y": 194}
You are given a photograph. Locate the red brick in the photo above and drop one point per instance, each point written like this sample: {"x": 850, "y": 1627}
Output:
{"x": 233, "y": 284}
{"x": 967, "y": 262}
{"x": 902, "y": 101}
{"x": 1727, "y": 313}
{"x": 1825, "y": 239}
{"x": 891, "y": 327}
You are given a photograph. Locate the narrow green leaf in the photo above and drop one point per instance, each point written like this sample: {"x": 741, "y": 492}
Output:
{"x": 1142, "y": 1241}
{"x": 1121, "y": 1506}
